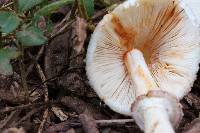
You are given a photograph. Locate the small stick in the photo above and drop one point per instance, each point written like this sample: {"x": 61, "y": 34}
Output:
{"x": 9, "y": 109}
{"x": 113, "y": 122}
{"x": 45, "y": 115}
{"x": 67, "y": 124}
{"x": 43, "y": 78}
{"x": 23, "y": 79}
{"x": 28, "y": 115}
{"x": 46, "y": 97}
{"x": 39, "y": 54}
{"x": 7, "y": 120}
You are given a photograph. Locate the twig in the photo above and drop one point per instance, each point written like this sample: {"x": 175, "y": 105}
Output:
{"x": 23, "y": 73}
{"x": 7, "y": 120}
{"x": 73, "y": 11}
{"x": 45, "y": 115}
{"x": 46, "y": 98}
{"x": 23, "y": 78}
{"x": 113, "y": 122}
{"x": 105, "y": 3}
{"x": 10, "y": 119}
{"x": 7, "y": 5}
{"x": 62, "y": 30}
{"x": 63, "y": 126}
{"x": 39, "y": 54}
{"x": 99, "y": 14}
{"x": 9, "y": 109}
{"x": 7, "y": 96}
{"x": 28, "y": 115}
{"x": 24, "y": 83}
{"x": 81, "y": 12}
{"x": 43, "y": 78}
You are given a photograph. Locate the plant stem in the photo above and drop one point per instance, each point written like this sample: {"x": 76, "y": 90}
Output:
{"x": 82, "y": 10}
{"x": 46, "y": 98}
{"x": 23, "y": 73}
{"x": 105, "y": 3}
{"x": 1, "y": 40}
{"x": 73, "y": 11}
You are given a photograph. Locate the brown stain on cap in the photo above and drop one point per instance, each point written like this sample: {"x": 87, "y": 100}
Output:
{"x": 126, "y": 34}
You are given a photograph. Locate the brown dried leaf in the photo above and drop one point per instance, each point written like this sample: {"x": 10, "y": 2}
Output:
{"x": 59, "y": 113}
{"x": 14, "y": 130}
{"x": 79, "y": 34}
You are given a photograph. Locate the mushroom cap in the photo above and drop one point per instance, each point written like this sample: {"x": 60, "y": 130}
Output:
{"x": 166, "y": 35}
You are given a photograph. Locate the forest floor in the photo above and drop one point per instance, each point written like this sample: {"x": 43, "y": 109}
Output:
{"x": 59, "y": 98}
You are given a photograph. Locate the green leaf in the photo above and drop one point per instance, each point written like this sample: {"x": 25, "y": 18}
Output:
{"x": 31, "y": 36}
{"x": 5, "y": 56}
{"x": 8, "y": 21}
{"x": 88, "y": 6}
{"x": 49, "y": 24}
{"x": 24, "y": 5}
{"x": 48, "y": 9}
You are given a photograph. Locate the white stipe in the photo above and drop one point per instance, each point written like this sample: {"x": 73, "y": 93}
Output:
{"x": 140, "y": 73}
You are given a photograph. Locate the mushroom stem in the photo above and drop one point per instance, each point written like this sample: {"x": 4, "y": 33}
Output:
{"x": 153, "y": 110}
{"x": 139, "y": 72}
{"x": 159, "y": 123}
{"x": 155, "y": 115}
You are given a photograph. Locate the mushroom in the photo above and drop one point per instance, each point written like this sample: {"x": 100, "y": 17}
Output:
{"x": 143, "y": 58}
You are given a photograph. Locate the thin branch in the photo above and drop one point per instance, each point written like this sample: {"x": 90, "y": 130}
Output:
{"x": 113, "y": 122}
{"x": 46, "y": 98}
{"x": 28, "y": 115}
{"x": 39, "y": 54}
{"x": 23, "y": 74}
{"x": 9, "y": 109}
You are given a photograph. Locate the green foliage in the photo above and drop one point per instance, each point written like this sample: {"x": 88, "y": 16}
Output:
{"x": 88, "y": 6}
{"x": 31, "y": 36}
{"x": 5, "y": 56}
{"x": 48, "y": 9}
{"x": 23, "y": 27}
{"x": 24, "y": 5}
{"x": 8, "y": 21}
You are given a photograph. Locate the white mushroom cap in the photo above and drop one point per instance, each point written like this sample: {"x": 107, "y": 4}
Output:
{"x": 166, "y": 35}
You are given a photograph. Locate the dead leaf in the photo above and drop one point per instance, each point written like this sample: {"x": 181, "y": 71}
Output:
{"x": 59, "y": 113}
{"x": 79, "y": 34}
{"x": 14, "y": 130}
